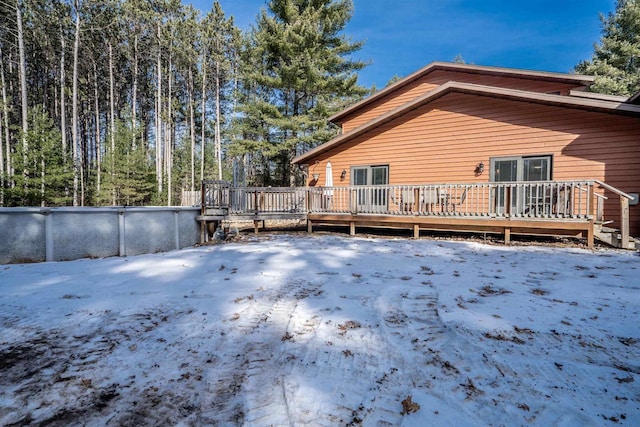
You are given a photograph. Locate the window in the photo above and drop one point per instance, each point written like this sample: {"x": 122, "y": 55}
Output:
{"x": 371, "y": 175}
{"x": 531, "y": 168}
{"x": 506, "y": 169}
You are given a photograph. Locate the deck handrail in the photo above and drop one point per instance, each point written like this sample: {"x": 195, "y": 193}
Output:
{"x": 539, "y": 199}
{"x": 624, "y": 211}
{"x": 580, "y": 200}
{"x": 613, "y": 189}
{"x": 559, "y": 201}
{"x": 514, "y": 199}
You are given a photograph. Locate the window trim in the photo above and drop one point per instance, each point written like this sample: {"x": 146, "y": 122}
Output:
{"x": 519, "y": 165}
{"x": 369, "y": 169}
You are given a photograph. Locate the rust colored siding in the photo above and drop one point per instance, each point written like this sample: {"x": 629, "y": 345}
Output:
{"x": 443, "y": 141}
{"x": 439, "y": 77}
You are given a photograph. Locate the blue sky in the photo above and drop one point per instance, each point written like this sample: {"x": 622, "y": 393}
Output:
{"x": 402, "y": 36}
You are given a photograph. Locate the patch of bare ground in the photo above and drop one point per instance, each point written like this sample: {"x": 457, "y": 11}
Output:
{"x": 273, "y": 228}
{"x": 489, "y": 290}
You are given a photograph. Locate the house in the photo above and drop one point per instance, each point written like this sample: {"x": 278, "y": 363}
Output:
{"x": 467, "y": 124}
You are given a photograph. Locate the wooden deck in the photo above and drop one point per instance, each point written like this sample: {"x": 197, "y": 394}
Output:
{"x": 550, "y": 208}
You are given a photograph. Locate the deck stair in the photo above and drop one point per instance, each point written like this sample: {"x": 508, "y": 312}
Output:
{"x": 613, "y": 237}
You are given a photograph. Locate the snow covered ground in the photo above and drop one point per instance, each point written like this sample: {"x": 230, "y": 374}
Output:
{"x": 322, "y": 330}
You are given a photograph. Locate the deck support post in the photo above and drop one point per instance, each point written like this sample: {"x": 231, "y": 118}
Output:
{"x": 416, "y": 231}
{"x": 309, "y": 226}
{"x": 507, "y": 236}
{"x": 624, "y": 222}
{"x": 352, "y": 228}
{"x": 590, "y": 235}
{"x": 256, "y": 226}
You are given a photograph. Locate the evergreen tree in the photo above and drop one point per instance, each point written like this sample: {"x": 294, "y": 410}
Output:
{"x": 129, "y": 177}
{"x": 616, "y": 59}
{"x": 299, "y": 72}
{"x": 220, "y": 50}
{"x": 41, "y": 175}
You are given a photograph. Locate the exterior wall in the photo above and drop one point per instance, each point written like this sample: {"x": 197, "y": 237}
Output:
{"x": 61, "y": 234}
{"x": 439, "y": 77}
{"x": 443, "y": 141}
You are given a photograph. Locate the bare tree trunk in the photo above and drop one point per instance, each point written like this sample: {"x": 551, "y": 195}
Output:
{"x": 159, "y": 116}
{"x": 82, "y": 160}
{"x": 97, "y": 142}
{"x": 112, "y": 119}
{"x": 42, "y": 173}
{"x": 217, "y": 126}
{"x": 169, "y": 134}
{"x": 192, "y": 132}
{"x": 5, "y": 110}
{"x": 63, "y": 112}
{"x": 1, "y": 167}
{"x": 74, "y": 101}
{"x": 4, "y": 124}
{"x": 23, "y": 88}
{"x": 134, "y": 95}
{"x": 204, "y": 118}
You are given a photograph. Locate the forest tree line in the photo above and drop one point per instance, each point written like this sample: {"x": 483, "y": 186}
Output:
{"x": 130, "y": 102}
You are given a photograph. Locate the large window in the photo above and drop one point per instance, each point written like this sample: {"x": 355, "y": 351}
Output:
{"x": 531, "y": 168}
{"x": 370, "y": 175}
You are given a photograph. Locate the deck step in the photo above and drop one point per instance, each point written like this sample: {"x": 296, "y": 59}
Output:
{"x": 612, "y": 237}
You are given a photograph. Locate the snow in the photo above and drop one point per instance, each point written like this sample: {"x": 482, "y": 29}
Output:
{"x": 324, "y": 330}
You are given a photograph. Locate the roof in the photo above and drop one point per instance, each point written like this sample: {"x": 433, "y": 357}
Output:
{"x": 595, "y": 95}
{"x": 588, "y": 104}
{"x": 467, "y": 68}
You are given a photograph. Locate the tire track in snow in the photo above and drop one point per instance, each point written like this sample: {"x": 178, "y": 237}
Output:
{"x": 253, "y": 387}
{"x": 413, "y": 322}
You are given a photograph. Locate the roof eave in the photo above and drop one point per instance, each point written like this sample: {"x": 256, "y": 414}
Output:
{"x": 635, "y": 98}
{"x": 390, "y": 115}
{"x": 474, "y": 89}
{"x": 478, "y": 69}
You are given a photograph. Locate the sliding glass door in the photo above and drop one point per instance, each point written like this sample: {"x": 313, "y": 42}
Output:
{"x": 370, "y": 198}
{"x": 508, "y": 169}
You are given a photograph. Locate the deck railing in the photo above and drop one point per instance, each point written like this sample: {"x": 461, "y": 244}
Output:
{"x": 543, "y": 199}
{"x": 548, "y": 199}
{"x": 268, "y": 200}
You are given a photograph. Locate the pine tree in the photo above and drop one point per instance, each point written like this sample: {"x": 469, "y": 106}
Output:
{"x": 299, "y": 72}
{"x": 44, "y": 184}
{"x": 616, "y": 59}
{"x": 220, "y": 50}
{"x": 129, "y": 176}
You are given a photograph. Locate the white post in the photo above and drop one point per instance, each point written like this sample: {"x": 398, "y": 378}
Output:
{"x": 176, "y": 228}
{"x": 48, "y": 234}
{"x": 121, "y": 232}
